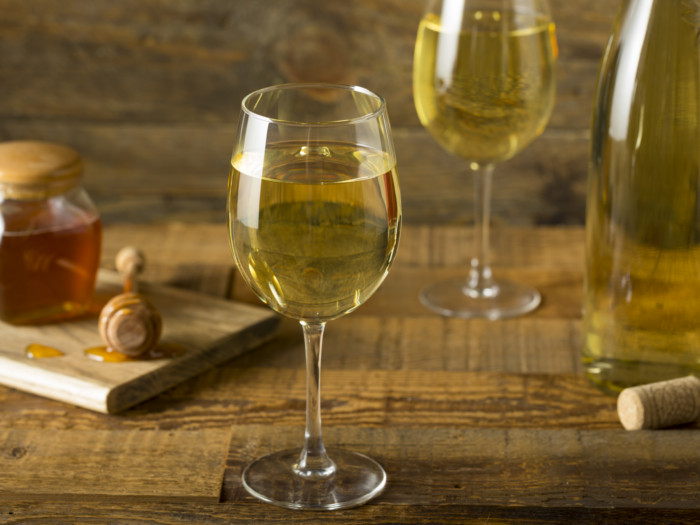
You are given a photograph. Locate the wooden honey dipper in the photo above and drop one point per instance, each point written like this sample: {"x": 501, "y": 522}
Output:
{"x": 129, "y": 323}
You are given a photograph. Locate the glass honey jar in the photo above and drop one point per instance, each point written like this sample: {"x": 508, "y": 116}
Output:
{"x": 50, "y": 234}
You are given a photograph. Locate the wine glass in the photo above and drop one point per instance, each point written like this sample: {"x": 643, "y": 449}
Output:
{"x": 314, "y": 216}
{"x": 484, "y": 86}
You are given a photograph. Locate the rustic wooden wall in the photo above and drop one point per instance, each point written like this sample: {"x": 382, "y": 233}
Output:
{"x": 148, "y": 91}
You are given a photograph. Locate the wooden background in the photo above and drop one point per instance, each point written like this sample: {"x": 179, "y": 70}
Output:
{"x": 148, "y": 91}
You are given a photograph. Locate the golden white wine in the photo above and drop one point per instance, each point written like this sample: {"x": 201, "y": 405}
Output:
{"x": 482, "y": 93}
{"x": 642, "y": 289}
{"x": 314, "y": 228}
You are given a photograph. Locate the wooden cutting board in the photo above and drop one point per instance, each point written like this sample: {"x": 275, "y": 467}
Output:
{"x": 203, "y": 330}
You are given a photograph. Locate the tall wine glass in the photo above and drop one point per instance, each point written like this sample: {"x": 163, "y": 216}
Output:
{"x": 314, "y": 216}
{"x": 484, "y": 85}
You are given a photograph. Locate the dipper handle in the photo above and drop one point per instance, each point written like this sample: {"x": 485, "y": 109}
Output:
{"x": 659, "y": 405}
{"x": 130, "y": 262}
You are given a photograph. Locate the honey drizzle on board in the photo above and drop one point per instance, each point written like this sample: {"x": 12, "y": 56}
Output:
{"x": 39, "y": 351}
{"x": 104, "y": 354}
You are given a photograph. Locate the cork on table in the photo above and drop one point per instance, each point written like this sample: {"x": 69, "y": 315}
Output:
{"x": 473, "y": 420}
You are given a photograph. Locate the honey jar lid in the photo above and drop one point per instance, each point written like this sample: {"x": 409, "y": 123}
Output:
{"x": 38, "y": 163}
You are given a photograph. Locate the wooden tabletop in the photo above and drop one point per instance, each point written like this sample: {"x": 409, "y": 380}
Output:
{"x": 475, "y": 421}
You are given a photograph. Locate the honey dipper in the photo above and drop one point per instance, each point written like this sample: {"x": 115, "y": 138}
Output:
{"x": 129, "y": 323}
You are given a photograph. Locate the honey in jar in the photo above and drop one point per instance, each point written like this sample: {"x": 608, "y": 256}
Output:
{"x": 50, "y": 234}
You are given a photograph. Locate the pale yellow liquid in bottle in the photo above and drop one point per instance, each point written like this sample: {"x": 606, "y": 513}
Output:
{"x": 642, "y": 298}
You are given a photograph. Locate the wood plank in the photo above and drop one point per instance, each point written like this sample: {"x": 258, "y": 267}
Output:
{"x": 21, "y": 511}
{"x": 553, "y": 248}
{"x": 388, "y": 342}
{"x": 551, "y": 259}
{"x": 179, "y": 247}
{"x": 552, "y": 263}
{"x": 543, "y": 185}
{"x": 506, "y": 467}
{"x": 173, "y": 253}
{"x": 193, "y": 61}
{"x": 148, "y": 91}
{"x": 133, "y": 114}
{"x": 205, "y": 331}
{"x": 371, "y": 398}
{"x": 422, "y": 400}
{"x": 91, "y": 464}
{"x": 561, "y": 290}
{"x": 171, "y": 248}
{"x": 475, "y": 421}
{"x": 136, "y": 173}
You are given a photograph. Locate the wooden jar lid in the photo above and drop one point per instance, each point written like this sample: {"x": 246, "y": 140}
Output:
{"x": 37, "y": 163}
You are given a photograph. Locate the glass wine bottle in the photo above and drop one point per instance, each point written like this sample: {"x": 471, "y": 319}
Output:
{"x": 642, "y": 282}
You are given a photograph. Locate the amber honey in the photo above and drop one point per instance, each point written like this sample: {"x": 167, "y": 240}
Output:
{"x": 160, "y": 351}
{"x": 39, "y": 351}
{"x": 50, "y": 235}
{"x": 48, "y": 273}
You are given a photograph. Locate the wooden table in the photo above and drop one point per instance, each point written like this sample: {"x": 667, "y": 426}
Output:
{"x": 475, "y": 421}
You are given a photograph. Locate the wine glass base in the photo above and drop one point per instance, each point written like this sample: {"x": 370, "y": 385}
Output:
{"x": 453, "y": 298}
{"x": 356, "y": 480}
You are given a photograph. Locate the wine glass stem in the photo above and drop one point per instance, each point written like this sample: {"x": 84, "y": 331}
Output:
{"x": 313, "y": 461}
{"x": 481, "y": 283}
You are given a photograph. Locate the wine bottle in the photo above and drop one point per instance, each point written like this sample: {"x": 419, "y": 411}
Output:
{"x": 642, "y": 283}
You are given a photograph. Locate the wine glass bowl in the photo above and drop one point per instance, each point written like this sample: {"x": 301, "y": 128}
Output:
{"x": 314, "y": 217}
{"x": 484, "y": 87}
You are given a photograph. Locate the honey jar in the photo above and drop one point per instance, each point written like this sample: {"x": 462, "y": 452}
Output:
{"x": 50, "y": 234}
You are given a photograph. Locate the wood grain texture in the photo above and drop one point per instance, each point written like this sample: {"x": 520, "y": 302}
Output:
{"x": 21, "y": 512}
{"x": 93, "y": 465}
{"x": 559, "y": 468}
{"x": 204, "y": 330}
{"x": 374, "y": 399}
{"x": 550, "y": 258}
{"x": 148, "y": 91}
{"x": 391, "y": 342}
{"x": 183, "y": 248}
{"x": 133, "y": 175}
{"x": 193, "y": 61}
{"x": 475, "y": 421}
{"x": 429, "y": 254}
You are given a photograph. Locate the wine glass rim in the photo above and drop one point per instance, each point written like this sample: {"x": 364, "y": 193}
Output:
{"x": 381, "y": 106}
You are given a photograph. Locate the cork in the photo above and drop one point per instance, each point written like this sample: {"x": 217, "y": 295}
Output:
{"x": 660, "y": 405}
